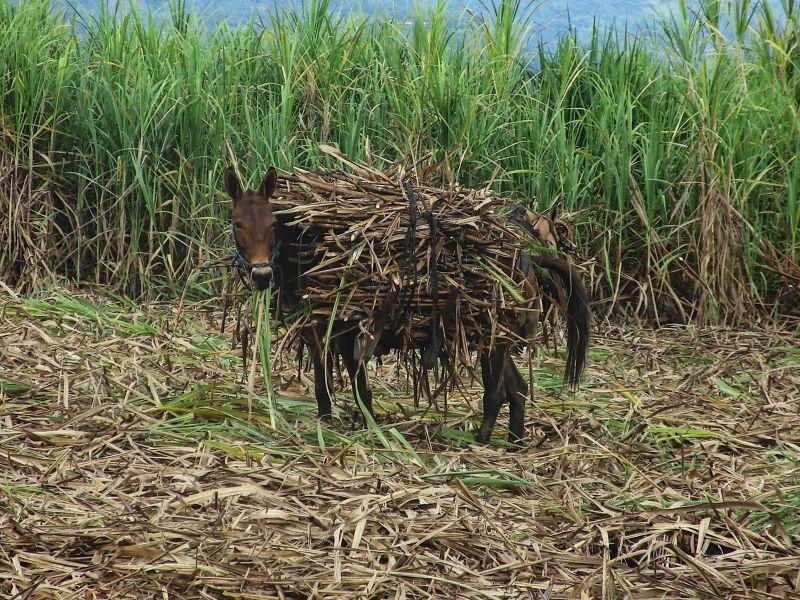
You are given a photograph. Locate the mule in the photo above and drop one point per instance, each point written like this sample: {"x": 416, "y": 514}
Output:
{"x": 266, "y": 252}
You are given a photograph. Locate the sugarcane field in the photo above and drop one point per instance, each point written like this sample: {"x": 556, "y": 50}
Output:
{"x": 400, "y": 300}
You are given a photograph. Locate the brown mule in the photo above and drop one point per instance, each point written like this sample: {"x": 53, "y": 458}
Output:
{"x": 265, "y": 247}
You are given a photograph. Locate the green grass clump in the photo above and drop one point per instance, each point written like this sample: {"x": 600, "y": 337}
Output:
{"x": 678, "y": 148}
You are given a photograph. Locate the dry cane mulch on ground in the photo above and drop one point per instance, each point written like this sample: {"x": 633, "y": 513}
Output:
{"x": 137, "y": 464}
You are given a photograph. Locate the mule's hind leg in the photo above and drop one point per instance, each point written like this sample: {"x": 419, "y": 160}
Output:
{"x": 357, "y": 372}
{"x": 493, "y": 394}
{"x": 516, "y": 394}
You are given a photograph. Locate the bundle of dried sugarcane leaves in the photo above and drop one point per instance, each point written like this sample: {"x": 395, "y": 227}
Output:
{"x": 423, "y": 263}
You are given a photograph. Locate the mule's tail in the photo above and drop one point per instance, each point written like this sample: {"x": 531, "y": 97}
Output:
{"x": 579, "y": 316}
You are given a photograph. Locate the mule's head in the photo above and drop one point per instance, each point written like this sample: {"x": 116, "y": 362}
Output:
{"x": 553, "y": 233}
{"x": 254, "y": 226}
{"x": 562, "y": 230}
{"x": 547, "y": 229}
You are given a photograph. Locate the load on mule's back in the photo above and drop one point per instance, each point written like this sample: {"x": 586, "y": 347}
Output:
{"x": 371, "y": 265}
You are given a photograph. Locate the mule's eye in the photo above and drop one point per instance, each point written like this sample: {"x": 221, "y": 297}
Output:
{"x": 237, "y": 225}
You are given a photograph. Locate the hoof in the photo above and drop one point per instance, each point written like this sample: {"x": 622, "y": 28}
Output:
{"x": 515, "y": 440}
{"x": 358, "y": 415}
{"x": 514, "y": 446}
{"x": 483, "y": 437}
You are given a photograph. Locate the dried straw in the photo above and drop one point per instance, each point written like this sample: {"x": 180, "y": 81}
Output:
{"x": 130, "y": 471}
{"x": 383, "y": 255}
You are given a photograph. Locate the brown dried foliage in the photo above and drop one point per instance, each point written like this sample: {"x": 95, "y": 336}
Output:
{"x": 671, "y": 474}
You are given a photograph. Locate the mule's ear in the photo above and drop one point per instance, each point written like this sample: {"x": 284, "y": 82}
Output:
{"x": 232, "y": 185}
{"x": 268, "y": 183}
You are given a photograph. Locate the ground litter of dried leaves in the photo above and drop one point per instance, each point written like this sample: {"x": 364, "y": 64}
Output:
{"x": 132, "y": 468}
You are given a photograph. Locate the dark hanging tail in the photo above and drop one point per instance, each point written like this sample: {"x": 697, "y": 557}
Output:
{"x": 579, "y": 317}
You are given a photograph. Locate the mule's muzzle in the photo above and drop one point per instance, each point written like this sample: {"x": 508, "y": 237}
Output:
{"x": 262, "y": 277}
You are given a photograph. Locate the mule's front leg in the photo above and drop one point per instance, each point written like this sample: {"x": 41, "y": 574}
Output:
{"x": 323, "y": 378}
{"x": 357, "y": 371}
{"x": 516, "y": 394}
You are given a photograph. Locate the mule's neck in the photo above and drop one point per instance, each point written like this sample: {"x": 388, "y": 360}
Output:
{"x": 293, "y": 262}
